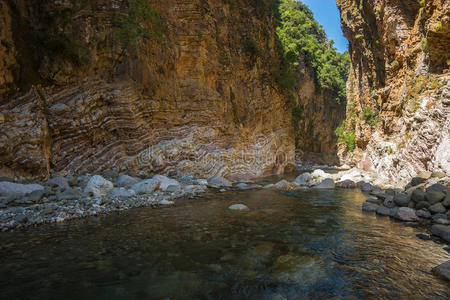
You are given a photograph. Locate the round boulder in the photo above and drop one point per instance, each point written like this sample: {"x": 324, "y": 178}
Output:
{"x": 401, "y": 200}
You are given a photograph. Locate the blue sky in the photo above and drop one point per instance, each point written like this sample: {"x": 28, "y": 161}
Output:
{"x": 327, "y": 14}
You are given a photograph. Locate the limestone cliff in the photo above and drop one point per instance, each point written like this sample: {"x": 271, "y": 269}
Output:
{"x": 201, "y": 100}
{"x": 398, "y": 112}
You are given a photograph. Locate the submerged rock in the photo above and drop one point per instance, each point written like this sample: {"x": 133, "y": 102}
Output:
{"x": 369, "y": 207}
{"x": 443, "y": 270}
{"x": 238, "y": 207}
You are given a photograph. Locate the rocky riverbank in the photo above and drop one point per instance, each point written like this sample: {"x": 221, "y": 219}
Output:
{"x": 60, "y": 199}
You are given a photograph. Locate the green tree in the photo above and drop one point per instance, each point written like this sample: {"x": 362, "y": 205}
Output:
{"x": 302, "y": 37}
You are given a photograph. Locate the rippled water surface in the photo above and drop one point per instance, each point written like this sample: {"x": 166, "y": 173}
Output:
{"x": 302, "y": 245}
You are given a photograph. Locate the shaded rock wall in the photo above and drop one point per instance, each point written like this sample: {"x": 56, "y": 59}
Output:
{"x": 398, "y": 91}
{"x": 201, "y": 101}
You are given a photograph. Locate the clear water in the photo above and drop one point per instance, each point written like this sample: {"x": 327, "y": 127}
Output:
{"x": 302, "y": 245}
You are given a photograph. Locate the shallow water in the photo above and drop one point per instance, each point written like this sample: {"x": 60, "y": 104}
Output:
{"x": 290, "y": 245}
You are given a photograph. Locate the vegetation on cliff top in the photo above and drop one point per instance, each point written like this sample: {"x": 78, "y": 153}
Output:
{"x": 302, "y": 38}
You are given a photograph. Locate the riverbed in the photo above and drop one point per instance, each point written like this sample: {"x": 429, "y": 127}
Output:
{"x": 309, "y": 244}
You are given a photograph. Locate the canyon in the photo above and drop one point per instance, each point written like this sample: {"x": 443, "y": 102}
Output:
{"x": 202, "y": 98}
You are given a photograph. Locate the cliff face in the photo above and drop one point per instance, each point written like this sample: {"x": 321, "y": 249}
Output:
{"x": 201, "y": 100}
{"x": 398, "y": 92}
{"x": 322, "y": 114}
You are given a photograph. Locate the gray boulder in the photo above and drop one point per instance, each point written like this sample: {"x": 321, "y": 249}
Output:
{"x": 389, "y": 202}
{"x": 437, "y": 187}
{"x": 327, "y": 183}
{"x": 238, "y": 207}
{"x": 422, "y": 213}
{"x": 418, "y": 195}
{"x": 59, "y": 181}
{"x": 446, "y": 201}
{"x": 17, "y": 189}
{"x": 401, "y": 200}
{"x": 416, "y": 181}
{"x": 145, "y": 186}
{"x": 67, "y": 194}
{"x": 437, "y": 208}
{"x": 434, "y": 197}
{"x": 439, "y": 216}
{"x": 217, "y": 182}
{"x": 127, "y": 181}
{"x": 98, "y": 186}
{"x": 302, "y": 179}
{"x": 369, "y": 207}
{"x": 442, "y": 231}
{"x": 346, "y": 184}
{"x": 367, "y": 187}
{"x": 121, "y": 192}
{"x": 406, "y": 214}
{"x": 35, "y": 196}
{"x": 165, "y": 182}
{"x": 384, "y": 211}
{"x": 284, "y": 185}
{"x": 374, "y": 200}
{"x": 422, "y": 204}
{"x": 443, "y": 270}
{"x": 245, "y": 186}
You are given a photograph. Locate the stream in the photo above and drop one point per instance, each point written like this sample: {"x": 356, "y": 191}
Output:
{"x": 310, "y": 244}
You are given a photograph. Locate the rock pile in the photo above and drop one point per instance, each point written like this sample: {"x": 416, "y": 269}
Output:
{"x": 60, "y": 199}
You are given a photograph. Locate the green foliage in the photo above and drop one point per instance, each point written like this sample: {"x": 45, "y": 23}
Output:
{"x": 297, "y": 113}
{"x": 369, "y": 116}
{"x": 424, "y": 44}
{"x": 394, "y": 64}
{"x": 140, "y": 23}
{"x": 250, "y": 47}
{"x": 422, "y": 3}
{"x": 301, "y": 37}
{"x": 439, "y": 26}
{"x": 378, "y": 10}
{"x": 346, "y": 137}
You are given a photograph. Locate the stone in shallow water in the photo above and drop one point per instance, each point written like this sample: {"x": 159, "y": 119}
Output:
{"x": 389, "y": 202}
{"x": 366, "y": 187}
{"x": 369, "y": 207}
{"x": 374, "y": 200}
{"x": 406, "y": 214}
{"x": 284, "y": 185}
{"x": 325, "y": 184}
{"x": 442, "y": 231}
{"x": 423, "y": 236}
{"x": 303, "y": 270}
{"x": 346, "y": 184}
{"x": 443, "y": 270}
{"x": 384, "y": 211}
{"x": 165, "y": 202}
{"x": 302, "y": 179}
{"x": 238, "y": 207}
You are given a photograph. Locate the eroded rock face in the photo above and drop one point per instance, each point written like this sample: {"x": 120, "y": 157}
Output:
{"x": 398, "y": 90}
{"x": 201, "y": 101}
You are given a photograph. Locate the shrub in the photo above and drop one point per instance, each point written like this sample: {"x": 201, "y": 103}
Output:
{"x": 439, "y": 26}
{"x": 424, "y": 44}
{"x": 422, "y": 3}
{"x": 345, "y": 137}
{"x": 394, "y": 64}
{"x": 369, "y": 116}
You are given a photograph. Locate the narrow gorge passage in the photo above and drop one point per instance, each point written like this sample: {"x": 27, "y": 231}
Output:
{"x": 217, "y": 149}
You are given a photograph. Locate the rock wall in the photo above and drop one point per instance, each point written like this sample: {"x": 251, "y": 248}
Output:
{"x": 398, "y": 91}
{"x": 316, "y": 140}
{"x": 201, "y": 100}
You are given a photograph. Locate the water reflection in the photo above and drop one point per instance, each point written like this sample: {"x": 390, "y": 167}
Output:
{"x": 290, "y": 245}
